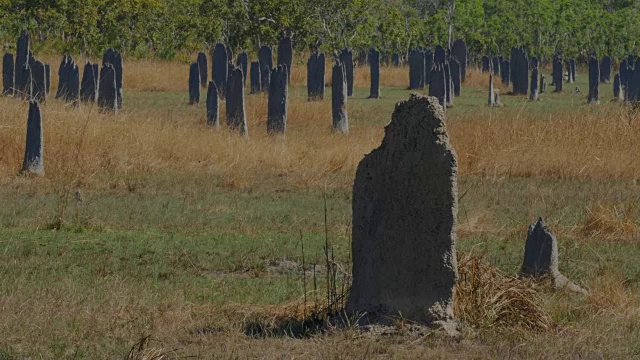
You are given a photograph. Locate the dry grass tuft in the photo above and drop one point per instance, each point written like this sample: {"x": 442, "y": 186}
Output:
{"x": 612, "y": 292}
{"x": 486, "y": 297}
{"x": 611, "y": 221}
{"x": 142, "y": 350}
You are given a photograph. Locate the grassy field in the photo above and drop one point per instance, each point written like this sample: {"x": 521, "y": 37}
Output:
{"x": 186, "y": 236}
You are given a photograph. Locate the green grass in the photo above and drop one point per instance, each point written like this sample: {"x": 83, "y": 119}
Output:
{"x": 143, "y": 247}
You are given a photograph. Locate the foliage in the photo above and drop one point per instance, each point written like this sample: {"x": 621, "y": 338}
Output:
{"x": 165, "y": 28}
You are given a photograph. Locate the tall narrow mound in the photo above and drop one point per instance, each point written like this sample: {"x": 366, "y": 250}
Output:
{"x": 33, "y": 163}
{"x": 404, "y": 218}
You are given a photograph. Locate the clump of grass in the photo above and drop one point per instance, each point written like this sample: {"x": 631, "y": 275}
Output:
{"x": 612, "y": 292}
{"x": 611, "y": 221}
{"x": 143, "y": 350}
{"x": 486, "y": 297}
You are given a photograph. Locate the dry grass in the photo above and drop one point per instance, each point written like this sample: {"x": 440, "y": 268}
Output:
{"x": 389, "y": 77}
{"x": 613, "y": 295}
{"x": 579, "y": 143}
{"x": 147, "y": 75}
{"x": 154, "y": 141}
{"x": 611, "y": 221}
{"x": 143, "y": 350}
{"x": 486, "y": 297}
{"x": 180, "y": 328}
{"x": 480, "y": 79}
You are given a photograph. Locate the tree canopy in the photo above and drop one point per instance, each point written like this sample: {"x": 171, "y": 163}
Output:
{"x": 166, "y": 28}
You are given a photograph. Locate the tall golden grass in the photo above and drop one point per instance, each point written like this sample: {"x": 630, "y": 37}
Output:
{"x": 150, "y": 142}
{"x": 155, "y": 75}
{"x": 580, "y": 142}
